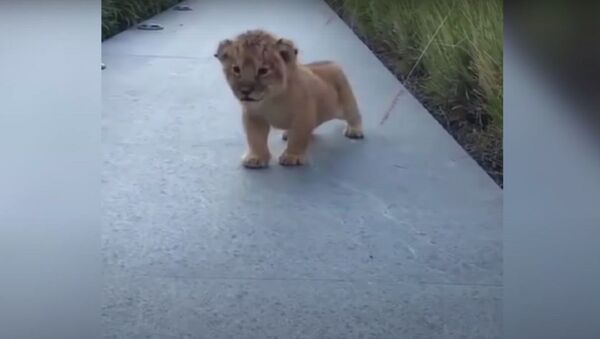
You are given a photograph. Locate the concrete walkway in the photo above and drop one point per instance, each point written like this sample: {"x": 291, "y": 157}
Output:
{"x": 395, "y": 236}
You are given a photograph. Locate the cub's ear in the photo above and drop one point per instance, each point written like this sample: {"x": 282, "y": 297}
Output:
{"x": 287, "y": 50}
{"x": 223, "y": 49}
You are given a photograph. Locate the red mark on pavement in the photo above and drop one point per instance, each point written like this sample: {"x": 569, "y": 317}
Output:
{"x": 387, "y": 113}
{"x": 330, "y": 19}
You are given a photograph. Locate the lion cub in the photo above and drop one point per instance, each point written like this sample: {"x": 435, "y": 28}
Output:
{"x": 277, "y": 91}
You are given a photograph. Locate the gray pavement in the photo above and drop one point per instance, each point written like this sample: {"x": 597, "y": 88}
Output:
{"x": 395, "y": 236}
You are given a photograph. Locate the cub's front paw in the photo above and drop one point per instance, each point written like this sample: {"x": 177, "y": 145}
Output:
{"x": 254, "y": 161}
{"x": 353, "y": 132}
{"x": 287, "y": 159}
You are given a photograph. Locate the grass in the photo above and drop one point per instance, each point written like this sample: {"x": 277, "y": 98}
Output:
{"x": 118, "y": 15}
{"x": 449, "y": 54}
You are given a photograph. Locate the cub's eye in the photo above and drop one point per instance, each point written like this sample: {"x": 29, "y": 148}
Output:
{"x": 236, "y": 69}
{"x": 262, "y": 71}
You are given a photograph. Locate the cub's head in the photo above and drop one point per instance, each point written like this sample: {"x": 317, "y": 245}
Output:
{"x": 256, "y": 64}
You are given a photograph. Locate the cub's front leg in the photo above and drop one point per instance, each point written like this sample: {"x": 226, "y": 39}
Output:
{"x": 257, "y": 134}
{"x": 298, "y": 139}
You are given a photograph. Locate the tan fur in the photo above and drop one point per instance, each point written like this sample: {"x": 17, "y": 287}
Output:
{"x": 277, "y": 91}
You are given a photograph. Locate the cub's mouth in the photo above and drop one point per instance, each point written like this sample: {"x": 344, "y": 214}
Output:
{"x": 249, "y": 99}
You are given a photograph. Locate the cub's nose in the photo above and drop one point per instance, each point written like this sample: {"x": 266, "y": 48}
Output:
{"x": 246, "y": 90}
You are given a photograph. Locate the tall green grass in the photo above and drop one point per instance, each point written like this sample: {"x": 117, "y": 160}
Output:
{"x": 451, "y": 51}
{"x": 118, "y": 15}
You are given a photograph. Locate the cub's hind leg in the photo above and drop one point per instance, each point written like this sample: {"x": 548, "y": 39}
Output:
{"x": 350, "y": 111}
